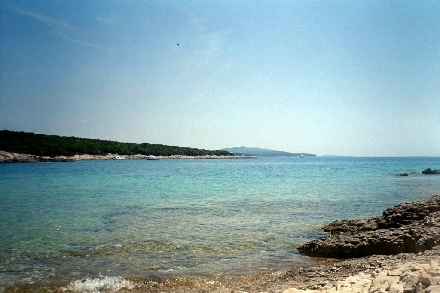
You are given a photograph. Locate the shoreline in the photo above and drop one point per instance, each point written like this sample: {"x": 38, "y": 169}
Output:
{"x": 7, "y": 157}
{"x": 416, "y": 270}
{"x": 378, "y": 273}
{"x": 405, "y": 222}
{"x": 398, "y": 272}
{"x": 396, "y": 252}
{"x": 403, "y": 272}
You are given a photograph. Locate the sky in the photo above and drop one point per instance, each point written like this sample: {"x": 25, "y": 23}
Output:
{"x": 354, "y": 78}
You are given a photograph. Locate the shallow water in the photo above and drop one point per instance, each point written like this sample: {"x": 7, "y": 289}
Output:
{"x": 63, "y": 222}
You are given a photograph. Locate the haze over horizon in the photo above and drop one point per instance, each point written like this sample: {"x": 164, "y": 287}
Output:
{"x": 354, "y": 78}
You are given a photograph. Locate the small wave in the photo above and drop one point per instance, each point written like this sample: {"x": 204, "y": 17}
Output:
{"x": 102, "y": 284}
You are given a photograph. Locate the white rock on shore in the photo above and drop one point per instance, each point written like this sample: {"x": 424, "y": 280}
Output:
{"x": 401, "y": 278}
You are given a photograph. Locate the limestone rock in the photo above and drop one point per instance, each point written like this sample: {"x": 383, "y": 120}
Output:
{"x": 413, "y": 277}
{"x": 408, "y": 227}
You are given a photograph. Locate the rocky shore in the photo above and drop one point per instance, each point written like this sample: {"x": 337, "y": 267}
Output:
{"x": 402, "y": 273}
{"x": 405, "y": 228}
{"x": 388, "y": 270}
{"x": 7, "y": 157}
{"x": 396, "y": 252}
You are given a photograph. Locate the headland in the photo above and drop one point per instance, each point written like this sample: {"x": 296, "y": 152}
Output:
{"x": 54, "y": 148}
{"x": 8, "y": 157}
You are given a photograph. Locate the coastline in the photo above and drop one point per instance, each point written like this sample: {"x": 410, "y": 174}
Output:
{"x": 416, "y": 271}
{"x": 399, "y": 273}
{"x": 396, "y": 252}
{"x": 323, "y": 274}
{"x": 7, "y": 157}
{"x": 406, "y": 272}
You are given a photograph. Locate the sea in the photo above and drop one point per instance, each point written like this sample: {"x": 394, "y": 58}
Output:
{"x": 184, "y": 224}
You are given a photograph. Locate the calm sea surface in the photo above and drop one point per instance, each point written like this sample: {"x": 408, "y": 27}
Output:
{"x": 122, "y": 219}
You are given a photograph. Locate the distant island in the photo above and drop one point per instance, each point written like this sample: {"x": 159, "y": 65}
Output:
{"x": 260, "y": 152}
{"x": 55, "y": 146}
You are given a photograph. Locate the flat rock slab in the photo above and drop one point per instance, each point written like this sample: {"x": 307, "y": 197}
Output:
{"x": 405, "y": 228}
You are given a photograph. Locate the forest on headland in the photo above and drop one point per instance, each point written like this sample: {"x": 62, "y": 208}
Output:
{"x": 54, "y": 145}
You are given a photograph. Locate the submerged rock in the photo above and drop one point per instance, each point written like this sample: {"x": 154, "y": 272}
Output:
{"x": 430, "y": 171}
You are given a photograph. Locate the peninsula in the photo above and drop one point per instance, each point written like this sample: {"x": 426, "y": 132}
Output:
{"x": 31, "y": 147}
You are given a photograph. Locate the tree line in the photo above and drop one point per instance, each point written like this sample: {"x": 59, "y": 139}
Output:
{"x": 54, "y": 145}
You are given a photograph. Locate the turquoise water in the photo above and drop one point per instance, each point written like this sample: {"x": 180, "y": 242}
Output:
{"x": 135, "y": 218}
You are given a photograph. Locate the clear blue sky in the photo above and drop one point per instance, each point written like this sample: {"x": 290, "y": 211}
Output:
{"x": 357, "y": 78}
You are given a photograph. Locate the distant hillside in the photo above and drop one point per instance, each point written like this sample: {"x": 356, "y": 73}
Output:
{"x": 54, "y": 145}
{"x": 259, "y": 152}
